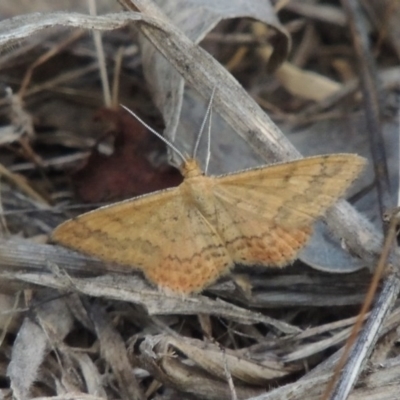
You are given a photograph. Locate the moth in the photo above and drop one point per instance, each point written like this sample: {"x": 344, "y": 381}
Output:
{"x": 184, "y": 238}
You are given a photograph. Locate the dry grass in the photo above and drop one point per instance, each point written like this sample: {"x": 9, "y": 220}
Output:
{"x": 76, "y": 328}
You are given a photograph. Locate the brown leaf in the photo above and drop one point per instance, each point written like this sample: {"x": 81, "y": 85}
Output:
{"x": 132, "y": 169}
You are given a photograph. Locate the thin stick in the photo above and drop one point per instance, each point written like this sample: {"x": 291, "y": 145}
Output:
{"x": 167, "y": 142}
{"x": 44, "y": 58}
{"x": 117, "y": 73}
{"x": 398, "y": 183}
{"x": 98, "y": 43}
{"x": 390, "y": 238}
{"x": 229, "y": 377}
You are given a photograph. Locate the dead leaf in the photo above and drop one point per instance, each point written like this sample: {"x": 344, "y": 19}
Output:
{"x": 136, "y": 166}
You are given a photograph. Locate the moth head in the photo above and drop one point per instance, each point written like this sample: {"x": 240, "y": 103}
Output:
{"x": 190, "y": 168}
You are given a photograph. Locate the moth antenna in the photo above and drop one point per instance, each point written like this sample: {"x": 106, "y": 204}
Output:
{"x": 196, "y": 147}
{"x": 208, "y": 156}
{"x": 167, "y": 142}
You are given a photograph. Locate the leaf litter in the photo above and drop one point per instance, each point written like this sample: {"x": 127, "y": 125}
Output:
{"x": 89, "y": 331}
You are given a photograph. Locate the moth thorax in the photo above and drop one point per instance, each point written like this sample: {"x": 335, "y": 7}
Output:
{"x": 198, "y": 194}
{"x": 191, "y": 169}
